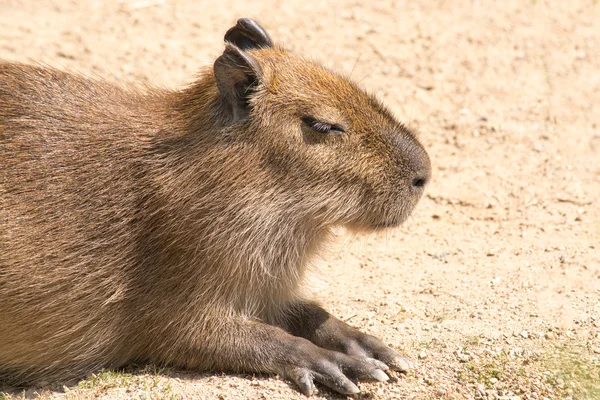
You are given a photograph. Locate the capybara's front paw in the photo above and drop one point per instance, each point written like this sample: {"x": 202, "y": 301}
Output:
{"x": 308, "y": 363}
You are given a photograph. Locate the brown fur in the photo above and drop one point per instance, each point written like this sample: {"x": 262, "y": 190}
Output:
{"x": 155, "y": 227}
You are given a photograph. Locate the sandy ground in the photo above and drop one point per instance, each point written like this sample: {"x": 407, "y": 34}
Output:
{"x": 493, "y": 287}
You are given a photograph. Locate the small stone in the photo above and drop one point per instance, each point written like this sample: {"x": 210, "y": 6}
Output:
{"x": 425, "y": 86}
{"x": 493, "y": 380}
{"x": 423, "y": 354}
{"x": 524, "y": 334}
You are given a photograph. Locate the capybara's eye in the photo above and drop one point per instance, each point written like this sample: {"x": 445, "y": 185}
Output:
{"x": 322, "y": 127}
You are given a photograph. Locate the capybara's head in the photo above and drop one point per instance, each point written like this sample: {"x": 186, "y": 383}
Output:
{"x": 335, "y": 149}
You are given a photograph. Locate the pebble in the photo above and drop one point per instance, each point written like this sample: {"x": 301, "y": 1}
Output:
{"x": 423, "y": 354}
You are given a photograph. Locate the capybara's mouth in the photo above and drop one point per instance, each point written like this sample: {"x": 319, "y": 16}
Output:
{"x": 388, "y": 224}
{"x": 376, "y": 224}
{"x": 392, "y": 222}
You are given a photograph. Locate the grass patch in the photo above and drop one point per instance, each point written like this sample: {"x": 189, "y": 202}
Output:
{"x": 558, "y": 373}
{"x": 568, "y": 370}
{"x": 487, "y": 372}
{"x": 148, "y": 383}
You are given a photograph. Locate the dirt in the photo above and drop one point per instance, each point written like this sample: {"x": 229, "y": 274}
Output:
{"x": 492, "y": 288}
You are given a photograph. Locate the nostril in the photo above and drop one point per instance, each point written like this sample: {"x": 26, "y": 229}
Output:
{"x": 419, "y": 183}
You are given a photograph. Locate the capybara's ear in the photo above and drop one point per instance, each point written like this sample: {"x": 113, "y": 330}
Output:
{"x": 237, "y": 74}
{"x": 248, "y": 34}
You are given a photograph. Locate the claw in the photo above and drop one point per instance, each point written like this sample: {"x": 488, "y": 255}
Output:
{"x": 380, "y": 375}
{"x": 401, "y": 364}
{"x": 350, "y": 388}
{"x": 337, "y": 381}
{"x": 379, "y": 364}
{"x": 306, "y": 385}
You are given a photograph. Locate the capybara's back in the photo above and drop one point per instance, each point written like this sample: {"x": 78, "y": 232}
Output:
{"x": 71, "y": 181}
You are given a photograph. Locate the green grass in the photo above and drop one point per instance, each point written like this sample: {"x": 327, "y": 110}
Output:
{"x": 148, "y": 383}
{"x": 562, "y": 371}
{"x": 568, "y": 369}
{"x": 484, "y": 372}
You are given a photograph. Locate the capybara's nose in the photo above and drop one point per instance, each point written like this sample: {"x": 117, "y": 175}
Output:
{"x": 420, "y": 181}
